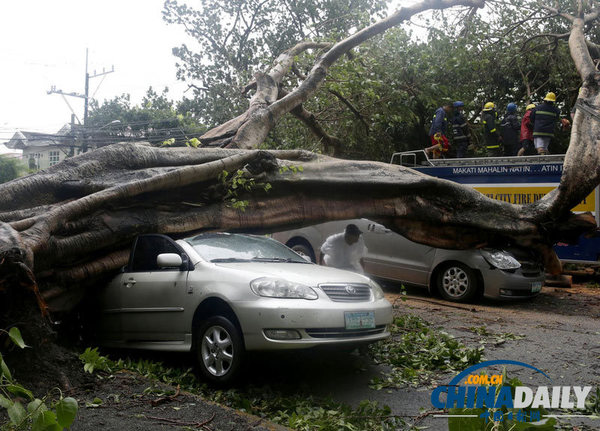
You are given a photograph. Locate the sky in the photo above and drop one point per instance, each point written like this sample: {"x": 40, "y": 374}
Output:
{"x": 44, "y": 44}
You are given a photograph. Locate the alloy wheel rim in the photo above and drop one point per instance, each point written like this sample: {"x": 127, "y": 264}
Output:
{"x": 455, "y": 282}
{"x": 217, "y": 351}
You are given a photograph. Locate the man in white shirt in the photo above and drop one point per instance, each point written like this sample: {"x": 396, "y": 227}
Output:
{"x": 344, "y": 250}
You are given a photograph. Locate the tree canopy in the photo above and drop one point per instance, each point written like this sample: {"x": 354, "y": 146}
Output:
{"x": 156, "y": 119}
{"x": 381, "y": 98}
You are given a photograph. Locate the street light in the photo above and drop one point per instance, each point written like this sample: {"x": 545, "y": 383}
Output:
{"x": 94, "y": 146}
{"x": 109, "y": 124}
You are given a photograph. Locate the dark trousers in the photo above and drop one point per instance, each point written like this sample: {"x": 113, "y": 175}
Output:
{"x": 461, "y": 147}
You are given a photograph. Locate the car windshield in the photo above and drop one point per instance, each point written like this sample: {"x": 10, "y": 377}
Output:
{"x": 224, "y": 247}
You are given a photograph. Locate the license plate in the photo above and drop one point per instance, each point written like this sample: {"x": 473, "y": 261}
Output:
{"x": 359, "y": 319}
{"x": 536, "y": 286}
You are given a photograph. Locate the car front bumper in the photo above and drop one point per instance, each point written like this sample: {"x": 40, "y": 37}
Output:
{"x": 318, "y": 323}
{"x": 499, "y": 284}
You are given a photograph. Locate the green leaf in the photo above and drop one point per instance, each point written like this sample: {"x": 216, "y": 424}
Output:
{"x": 66, "y": 410}
{"x": 16, "y": 413}
{"x": 35, "y": 408}
{"x": 5, "y": 402}
{"x": 15, "y": 336}
{"x": 46, "y": 421}
{"x": 4, "y": 371}
{"x": 20, "y": 391}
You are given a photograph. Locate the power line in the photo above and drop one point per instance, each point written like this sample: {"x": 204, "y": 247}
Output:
{"x": 85, "y": 96}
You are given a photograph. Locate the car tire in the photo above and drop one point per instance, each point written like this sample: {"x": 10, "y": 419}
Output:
{"x": 302, "y": 247}
{"x": 457, "y": 282}
{"x": 219, "y": 350}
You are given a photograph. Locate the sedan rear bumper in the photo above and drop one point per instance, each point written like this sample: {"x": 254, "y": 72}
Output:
{"x": 314, "y": 323}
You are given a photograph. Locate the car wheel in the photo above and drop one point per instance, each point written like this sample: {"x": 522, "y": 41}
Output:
{"x": 301, "y": 247}
{"x": 219, "y": 350}
{"x": 457, "y": 282}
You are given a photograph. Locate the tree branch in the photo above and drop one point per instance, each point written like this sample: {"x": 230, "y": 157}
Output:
{"x": 331, "y": 144}
{"x": 351, "y": 108}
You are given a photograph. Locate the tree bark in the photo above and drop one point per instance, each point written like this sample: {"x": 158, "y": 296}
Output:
{"x": 73, "y": 223}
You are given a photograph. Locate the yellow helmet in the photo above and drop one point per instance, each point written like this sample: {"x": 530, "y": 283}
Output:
{"x": 530, "y": 106}
{"x": 550, "y": 97}
{"x": 488, "y": 106}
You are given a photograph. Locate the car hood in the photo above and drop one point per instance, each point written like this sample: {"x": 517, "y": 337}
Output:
{"x": 308, "y": 274}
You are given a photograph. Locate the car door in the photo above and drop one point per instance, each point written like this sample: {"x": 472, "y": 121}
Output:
{"x": 153, "y": 299}
{"x": 393, "y": 256}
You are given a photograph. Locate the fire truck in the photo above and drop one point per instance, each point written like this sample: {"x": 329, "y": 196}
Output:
{"x": 518, "y": 180}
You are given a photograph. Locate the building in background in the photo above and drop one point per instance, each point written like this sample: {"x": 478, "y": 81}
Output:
{"x": 42, "y": 150}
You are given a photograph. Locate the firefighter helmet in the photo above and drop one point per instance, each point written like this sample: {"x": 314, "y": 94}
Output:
{"x": 489, "y": 106}
{"x": 550, "y": 97}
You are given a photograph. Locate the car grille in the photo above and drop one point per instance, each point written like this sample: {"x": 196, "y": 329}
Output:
{"x": 530, "y": 264}
{"x": 344, "y": 333}
{"x": 347, "y": 292}
{"x": 530, "y": 269}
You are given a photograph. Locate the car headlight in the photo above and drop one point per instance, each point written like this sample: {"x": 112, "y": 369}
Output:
{"x": 500, "y": 259}
{"x": 377, "y": 290}
{"x": 280, "y": 288}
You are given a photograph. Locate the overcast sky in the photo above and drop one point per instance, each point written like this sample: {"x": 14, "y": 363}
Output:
{"x": 44, "y": 43}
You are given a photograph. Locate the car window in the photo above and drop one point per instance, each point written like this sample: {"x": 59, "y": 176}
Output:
{"x": 234, "y": 247}
{"x": 147, "y": 249}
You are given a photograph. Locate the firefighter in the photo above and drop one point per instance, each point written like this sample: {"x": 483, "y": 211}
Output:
{"x": 437, "y": 132}
{"x": 544, "y": 118}
{"x": 510, "y": 130}
{"x": 491, "y": 137}
{"x": 526, "y": 138}
{"x": 460, "y": 130}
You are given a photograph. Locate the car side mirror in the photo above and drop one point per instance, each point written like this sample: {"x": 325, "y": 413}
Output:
{"x": 169, "y": 260}
{"x": 378, "y": 228}
{"x": 306, "y": 258}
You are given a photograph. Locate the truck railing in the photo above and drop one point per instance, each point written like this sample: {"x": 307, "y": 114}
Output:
{"x": 412, "y": 159}
{"x": 418, "y": 158}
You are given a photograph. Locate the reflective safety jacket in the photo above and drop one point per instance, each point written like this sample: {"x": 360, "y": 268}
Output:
{"x": 459, "y": 127}
{"x": 544, "y": 118}
{"x": 439, "y": 123}
{"x": 490, "y": 131}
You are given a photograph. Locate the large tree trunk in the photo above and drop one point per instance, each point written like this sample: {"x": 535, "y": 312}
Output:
{"x": 75, "y": 221}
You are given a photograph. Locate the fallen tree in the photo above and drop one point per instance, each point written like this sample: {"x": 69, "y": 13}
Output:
{"x": 72, "y": 224}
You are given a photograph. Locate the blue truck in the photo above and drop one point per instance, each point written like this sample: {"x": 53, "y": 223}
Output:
{"x": 518, "y": 180}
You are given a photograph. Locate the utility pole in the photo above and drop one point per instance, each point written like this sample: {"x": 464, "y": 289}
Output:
{"x": 85, "y": 96}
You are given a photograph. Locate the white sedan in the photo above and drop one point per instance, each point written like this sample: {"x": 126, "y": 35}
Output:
{"x": 219, "y": 295}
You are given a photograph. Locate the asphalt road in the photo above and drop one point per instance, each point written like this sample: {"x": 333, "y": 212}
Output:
{"x": 557, "y": 332}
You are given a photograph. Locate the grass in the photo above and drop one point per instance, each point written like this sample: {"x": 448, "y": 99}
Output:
{"x": 416, "y": 351}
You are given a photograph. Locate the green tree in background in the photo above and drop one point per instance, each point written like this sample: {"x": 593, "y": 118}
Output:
{"x": 381, "y": 98}
{"x": 235, "y": 38}
{"x": 10, "y": 168}
{"x": 156, "y": 120}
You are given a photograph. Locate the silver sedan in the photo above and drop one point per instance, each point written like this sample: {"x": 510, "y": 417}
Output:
{"x": 220, "y": 295}
{"x": 458, "y": 275}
